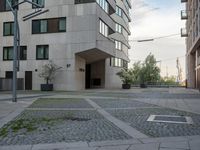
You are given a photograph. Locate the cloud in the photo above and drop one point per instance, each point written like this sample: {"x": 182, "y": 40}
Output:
{"x": 151, "y": 21}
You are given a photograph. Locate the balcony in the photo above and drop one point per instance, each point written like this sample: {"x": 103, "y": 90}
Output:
{"x": 184, "y": 15}
{"x": 184, "y": 1}
{"x": 184, "y": 32}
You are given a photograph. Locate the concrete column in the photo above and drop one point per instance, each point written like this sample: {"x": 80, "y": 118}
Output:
{"x": 191, "y": 73}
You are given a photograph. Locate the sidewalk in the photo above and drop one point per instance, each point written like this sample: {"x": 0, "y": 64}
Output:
{"x": 9, "y": 110}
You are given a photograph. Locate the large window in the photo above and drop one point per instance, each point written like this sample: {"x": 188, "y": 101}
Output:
{"x": 118, "y": 45}
{"x": 49, "y": 25}
{"x": 4, "y": 6}
{"x": 39, "y": 2}
{"x": 103, "y": 28}
{"x": 103, "y": 4}
{"x": 118, "y": 28}
{"x": 8, "y": 53}
{"x": 42, "y": 52}
{"x": 118, "y": 62}
{"x": 8, "y": 28}
{"x": 119, "y": 11}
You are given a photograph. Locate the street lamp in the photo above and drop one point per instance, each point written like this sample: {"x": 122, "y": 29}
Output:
{"x": 16, "y": 44}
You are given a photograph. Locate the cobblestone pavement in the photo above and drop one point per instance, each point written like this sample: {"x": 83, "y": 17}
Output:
{"x": 104, "y": 120}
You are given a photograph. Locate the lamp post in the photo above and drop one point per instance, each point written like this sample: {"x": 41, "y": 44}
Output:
{"x": 16, "y": 43}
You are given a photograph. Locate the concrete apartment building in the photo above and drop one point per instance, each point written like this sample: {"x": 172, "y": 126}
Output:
{"x": 87, "y": 38}
{"x": 192, "y": 34}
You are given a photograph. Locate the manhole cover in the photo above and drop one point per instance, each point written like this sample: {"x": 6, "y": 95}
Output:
{"x": 170, "y": 119}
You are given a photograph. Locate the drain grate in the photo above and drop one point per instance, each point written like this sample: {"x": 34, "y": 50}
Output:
{"x": 170, "y": 119}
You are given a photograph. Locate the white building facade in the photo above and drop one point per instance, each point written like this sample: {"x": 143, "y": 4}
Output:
{"x": 88, "y": 39}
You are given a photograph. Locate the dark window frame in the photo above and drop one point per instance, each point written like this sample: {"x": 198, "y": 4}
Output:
{"x": 48, "y": 29}
{"x": 11, "y": 23}
{"x": 37, "y": 46}
{"x": 35, "y": 7}
{"x": 22, "y": 49}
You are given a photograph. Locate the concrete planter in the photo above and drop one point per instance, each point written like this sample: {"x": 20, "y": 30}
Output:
{"x": 126, "y": 86}
{"x": 46, "y": 87}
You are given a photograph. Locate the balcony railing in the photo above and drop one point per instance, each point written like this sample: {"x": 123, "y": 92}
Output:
{"x": 184, "y": 15}
{"x": 184, "y": 1}
{"x": 184, "y": 32}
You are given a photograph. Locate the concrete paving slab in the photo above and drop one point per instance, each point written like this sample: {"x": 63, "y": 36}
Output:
{"x": 26, "y": 147}
{"x": 176, "y": 145}
{"x": 114, "y": 143}
{"x": 194, "y": 144}
{"x": 150, "y": 146}
{"x": 59, "y": 146}
{"x": 120, "y": 147}
{"x": 164, "y": 139}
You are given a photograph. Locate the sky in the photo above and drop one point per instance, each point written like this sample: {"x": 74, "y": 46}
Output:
{"x": 157, "y": 18}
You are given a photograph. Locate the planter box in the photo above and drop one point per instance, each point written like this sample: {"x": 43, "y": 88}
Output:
{"x": 126, "y": 86}
{"x": 46, "y": 87}
{"x": 143, "y": 85}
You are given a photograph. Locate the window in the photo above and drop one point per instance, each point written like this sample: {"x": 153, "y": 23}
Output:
{"x": 62, "y": 24}
{"x": 8, "y": 28}
{"x": 39, "y": 2}
{"x": 103, "y": 28}
{"x": 4, "y": 6}
{"x": 49, "y": 25}
{"x": 103, "y": 4}
{"x": 118, "y": 62}
{"x": 8, "y": 53}
{"x": 118, "y": 28}
{"x": 118, "y": 11}
{"x": 118, "y": 45}
{"x": 23, "y": 53}
{"x": 42, "y": 52}
{"x": 84, "y": 1}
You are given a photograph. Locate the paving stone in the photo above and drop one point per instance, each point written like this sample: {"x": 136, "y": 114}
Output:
{"x": 137, "y": 118}
{"x": 151, "y": 146}
{"x": 176, "y": 145}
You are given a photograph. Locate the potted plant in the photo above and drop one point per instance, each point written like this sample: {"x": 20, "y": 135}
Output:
{"x": 48, "y": 74}
{"x": 126, "y": 75}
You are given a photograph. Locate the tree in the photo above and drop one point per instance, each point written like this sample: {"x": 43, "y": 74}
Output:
{"x": 48, "y": 71}
{"x": 150, "y": 72}
{"x": 137, "y": 66}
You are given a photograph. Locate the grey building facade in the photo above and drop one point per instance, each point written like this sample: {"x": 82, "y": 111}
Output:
{"x": 192, "y": 33}
{"x": 87, "y": 38}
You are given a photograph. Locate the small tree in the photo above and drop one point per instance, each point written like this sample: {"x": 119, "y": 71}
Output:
{"x": 126, "y": 75}
{"x": 48, "y": 71}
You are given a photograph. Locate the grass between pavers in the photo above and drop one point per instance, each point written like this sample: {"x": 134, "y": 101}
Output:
{"x": 29, "y": 125}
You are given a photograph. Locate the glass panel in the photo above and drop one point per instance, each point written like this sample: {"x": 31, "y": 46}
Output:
{"x": 6, "y": 28}
{"x": 43, "y": 26}
{"x": 46, "y": 52}
{"x": 62, "y": 24}
{"x": 36, "y": 26}
{"x": 40, "y": 52}
{"x": 5, "y": 54}
{"x": 10, "y": 53}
